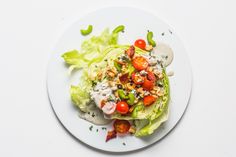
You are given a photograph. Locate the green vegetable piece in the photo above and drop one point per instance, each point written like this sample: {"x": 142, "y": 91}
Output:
{"x": 131, "y": 69}
{"x": 118, "y": 29}
{"x": 122, "y": 95}
{"x": 150, "y": 40}
{"x": 87, "y": 31}
{"x": 131, "y": 99}
{"x": 117, "y": 66}
{"x": 137, "y": 108}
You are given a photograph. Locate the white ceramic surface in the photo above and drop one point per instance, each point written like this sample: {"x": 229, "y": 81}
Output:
{"x": 136, "y": 22}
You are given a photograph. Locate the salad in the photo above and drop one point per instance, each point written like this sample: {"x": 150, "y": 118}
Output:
{"x": 126, "y": 85}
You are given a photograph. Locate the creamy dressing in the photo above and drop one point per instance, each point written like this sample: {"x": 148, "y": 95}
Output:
{"x": 100, "y": 92}
{"x": 94, "y": 115}
{"x": 164, "y": 53}
{"x": 170, "y": 73}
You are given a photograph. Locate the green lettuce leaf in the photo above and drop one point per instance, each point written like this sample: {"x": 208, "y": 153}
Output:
{"x": 79, "y": 97}
{"x": 150, "y": 127}
{"x": 158, "y": 116}
{"x": 93, "y": 51}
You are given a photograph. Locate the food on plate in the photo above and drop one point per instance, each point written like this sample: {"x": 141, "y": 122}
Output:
{"x": 125, "y": 85}
{"x": 87, "y": 31}
{"x": 150, "y": 40}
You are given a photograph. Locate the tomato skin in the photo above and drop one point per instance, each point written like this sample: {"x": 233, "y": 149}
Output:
{"x": 149, "y": 100}
{"x": 121, "y": 126}
{"x": 137, "y": 78}
{"x": 148, "y": 85}
{"x": 122, "y": 107}
{"x": 140, "y": 63}
{"x": 140, "y": 43}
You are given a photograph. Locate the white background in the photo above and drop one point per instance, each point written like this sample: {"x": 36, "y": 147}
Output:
{"x": 30, "y": 28}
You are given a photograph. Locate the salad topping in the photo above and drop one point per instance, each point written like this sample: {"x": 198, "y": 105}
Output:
{"x": 124, "y": 83}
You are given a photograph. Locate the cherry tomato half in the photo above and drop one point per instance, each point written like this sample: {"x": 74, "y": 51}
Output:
{"x": 149, "y": 100}
{"x": 121, "y": 126}
{"x": 140, "y": 43}
{"x": 137, "y": 78}
{"x": 147, "y": 84}
{"x": 122, "y": 107}
{"x": 140, "y": 63}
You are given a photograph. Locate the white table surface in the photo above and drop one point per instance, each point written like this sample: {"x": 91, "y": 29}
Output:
{"x": 28, "y": 31}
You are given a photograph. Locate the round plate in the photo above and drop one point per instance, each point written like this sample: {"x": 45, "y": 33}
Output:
{"x": 136, "y": 23}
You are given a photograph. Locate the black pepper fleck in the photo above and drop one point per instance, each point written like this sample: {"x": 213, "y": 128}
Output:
{"x": 163, "y": 34}
{"x": 90, "y": 128}
{"x": 170, "y": 31}
{"x": 97, "y": 130}
{"x": 119, "y": 86}
{"x": 124, "y": 143}
{"x": 93, "y": 115}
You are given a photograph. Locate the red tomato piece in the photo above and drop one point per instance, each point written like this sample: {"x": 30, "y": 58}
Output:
{"x": 149, "y": 100}
{"x": 122, "y": 107}
{"x": 121, "y": 126}
{"x": 140, "y": 63}
{"x": 140, "y": 43}
{"x": 147, "y": 84}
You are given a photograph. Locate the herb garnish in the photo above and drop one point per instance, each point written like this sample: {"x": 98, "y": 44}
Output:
{"x": 94, "y": 83}
{"x": 91, "y": 127}
{"x": 93, "y": 115}
{"x": 104, "y": 128}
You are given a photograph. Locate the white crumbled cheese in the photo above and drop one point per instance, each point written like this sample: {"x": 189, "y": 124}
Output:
{"x": 146, "y": 93}
{"x": 143, "y": 72}
{"x": 152, "y": 61}
{"x": 101, "y": 92}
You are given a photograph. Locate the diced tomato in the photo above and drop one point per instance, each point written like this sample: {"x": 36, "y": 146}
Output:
{"x": 122, "y": 107}
{"x": 137, "y": 78}
{"x": 124, "y": 78}
{"x": 149, "y": 100}
{"x": 121, "y": 126}
{"x": 111, "y": 135}
{"x": 147, "y": 84}
{"x": 130, "y": 52}
{"x": 140, "y": 43}
{"x": 140, "y": 63}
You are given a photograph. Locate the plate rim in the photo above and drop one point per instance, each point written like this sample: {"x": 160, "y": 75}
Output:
{"x": 70, "y": 132}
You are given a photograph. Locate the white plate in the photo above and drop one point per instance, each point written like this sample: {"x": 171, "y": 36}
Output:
{"x": 136, "y": 22}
